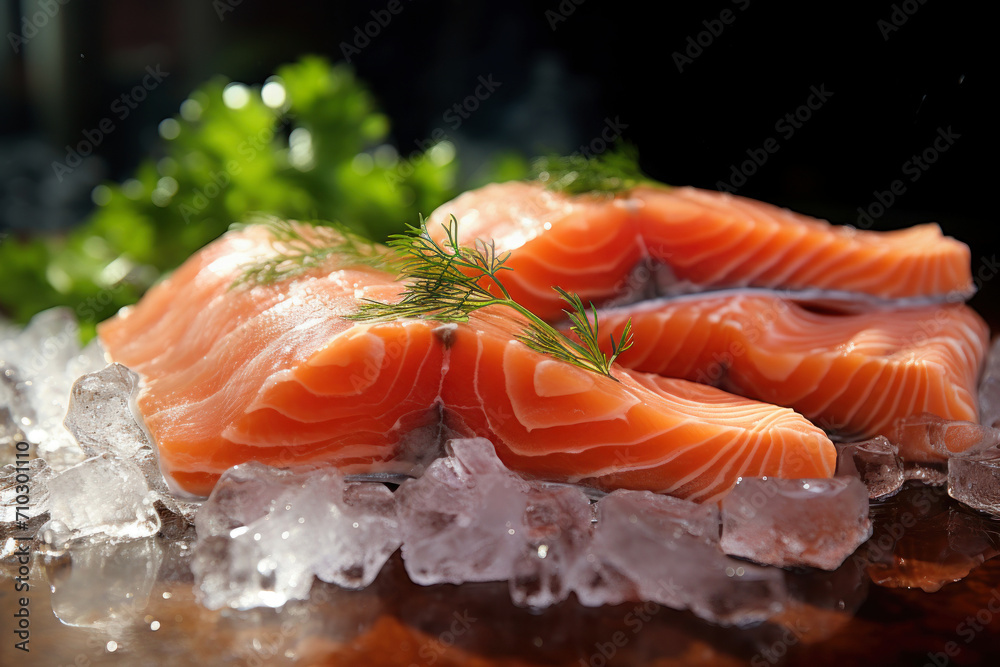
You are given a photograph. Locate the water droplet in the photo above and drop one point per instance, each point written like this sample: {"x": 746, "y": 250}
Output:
{"x": 154, "y": 626}
{"x": 112, "y": 646}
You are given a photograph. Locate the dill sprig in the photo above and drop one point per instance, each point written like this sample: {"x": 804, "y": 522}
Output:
{"x": 296, "y": 253}
{"x": 446, "y": 282}
{"x": 611, "y": 172}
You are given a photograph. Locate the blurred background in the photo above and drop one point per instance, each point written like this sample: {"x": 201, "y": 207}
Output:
{"x": 133, "y": 132}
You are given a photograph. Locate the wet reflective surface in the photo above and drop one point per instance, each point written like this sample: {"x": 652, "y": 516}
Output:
{"x": 134, "y": 604}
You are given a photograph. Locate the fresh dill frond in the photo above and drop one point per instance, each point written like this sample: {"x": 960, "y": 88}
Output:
{"x": 296, "y": 253}
{"x": 586, "y": 353}
{"x": 611, "y": 172}
{"x": 446, "y": 282}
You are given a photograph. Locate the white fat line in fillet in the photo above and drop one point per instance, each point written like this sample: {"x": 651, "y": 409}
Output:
{"x": 781, "y": 258}
{"x": 920, "y": 378}
{"x": 748, "y": 256}
{"x": 712, "y": 252}
{"x": 396, "y": 380}
{"x": 698, "y": 473}
{"x": 475, "y": 381}
{"x": 746, "y": 451}
{"x": 859, "y": 398}
{"x": 885, "y": 380}
{"x": 823, "y": 386}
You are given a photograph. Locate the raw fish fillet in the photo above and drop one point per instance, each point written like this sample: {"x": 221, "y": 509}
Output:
{"x": 277, "y": 375}
{"x": 855, "y": 374}
{"x": 671, "y": 240}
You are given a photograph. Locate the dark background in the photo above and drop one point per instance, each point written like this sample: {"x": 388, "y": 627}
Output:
{"x": 892, "y": 91}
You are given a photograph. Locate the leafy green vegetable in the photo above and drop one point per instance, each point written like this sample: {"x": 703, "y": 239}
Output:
{"x": 611, "y": 172}
{"x": 308, "y": 143}
{"x": 445, "y": 282}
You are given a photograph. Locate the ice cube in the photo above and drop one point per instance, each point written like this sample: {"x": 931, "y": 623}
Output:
{"x": 875, "y": 462}
{"x": 103, "y": 420}
{"x": 557, "y": 529}
{"x": 38, "y": 365}
{"x": 103, "y": 585}
{"x": 19, "y": 482}
{"x": 789, "y": 522}
{"x": 669, "y": 549}
{"x": 16, "y": 412}
{"x": 989, "y": 388}
{"x": 264, "y": 533}
{"x": 931, "y": 439}
{"x": 975, "y": 483}
{"x": 102, "y": 497}
{"x": 463, "y": 520}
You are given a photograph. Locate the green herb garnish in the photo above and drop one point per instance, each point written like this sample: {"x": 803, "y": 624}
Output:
{"x": 445, "y": 282}
{"x": 296, "y": 254}
{"x": 611, "y": 172}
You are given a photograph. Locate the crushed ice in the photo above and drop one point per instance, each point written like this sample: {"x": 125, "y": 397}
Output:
{"x": 265, "y": 534}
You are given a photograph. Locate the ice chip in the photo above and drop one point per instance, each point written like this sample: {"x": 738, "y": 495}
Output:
{"x": 104, "y": 586}
{"x": 975, "y": 483}
{"x": 669, "y": 549}
{"x": 102, "y": 419}
{"x": 875, "y": 462}
{"x": 28, "y": 481}
{"x": 244, "y": 494}
{"x": 927, "y": 438}
{"x": 37, "y": 366}
{"x": 265, "y": 533}
{"x": 989, "y": 388}
{"x": 790, "y": 522}
{"x": 102, "y": 497}
{"x": 16, "y": 411}
{"x": 463, "y": 520}
{"x": 557, "y": 530}
{"x": 99, "y": 416}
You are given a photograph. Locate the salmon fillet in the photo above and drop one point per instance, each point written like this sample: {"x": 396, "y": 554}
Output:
{"x": 276, "y": 374}
{"x": 670, "y": 240}
{"x": 854, "y": 373}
